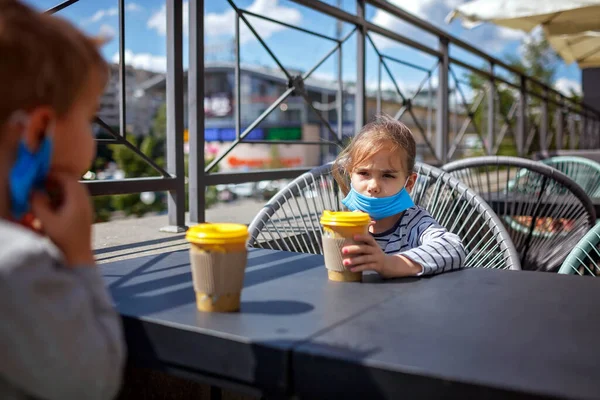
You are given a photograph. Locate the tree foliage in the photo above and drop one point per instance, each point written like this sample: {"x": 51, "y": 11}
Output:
{"x": 536, "y": 59}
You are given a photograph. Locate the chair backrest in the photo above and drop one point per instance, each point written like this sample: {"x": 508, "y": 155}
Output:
{"x": 290, "y": 220}
{"x": 585, "y": 172}
{"x": 584, "y": 259}
{"x": 590, "y": 154}
{"x": 545, "y": 212}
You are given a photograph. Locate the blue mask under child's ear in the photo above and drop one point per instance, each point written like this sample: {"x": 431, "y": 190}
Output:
{"x": 28, "y": 173}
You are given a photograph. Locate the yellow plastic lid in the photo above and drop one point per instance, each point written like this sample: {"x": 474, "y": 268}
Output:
{"x": 345, "y": 218}
{"x": 217, "y": 233}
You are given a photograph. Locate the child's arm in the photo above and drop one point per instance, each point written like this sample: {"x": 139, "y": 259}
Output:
{"x": 60, "y": 337}
{"x": 438, "y": 251}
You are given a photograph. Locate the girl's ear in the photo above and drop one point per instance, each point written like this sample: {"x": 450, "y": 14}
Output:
{"x": 410, "y": 182}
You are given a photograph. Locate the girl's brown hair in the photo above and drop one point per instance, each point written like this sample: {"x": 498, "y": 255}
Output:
{"x": 44, "y": 60}
{"x": 383, "y": 133}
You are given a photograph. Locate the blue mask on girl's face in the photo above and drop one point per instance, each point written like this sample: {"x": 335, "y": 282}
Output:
{"x": 29, "y": 172}
{"x": 379, "y": 207}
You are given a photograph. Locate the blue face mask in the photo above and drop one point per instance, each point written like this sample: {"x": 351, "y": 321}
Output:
{"x": 28, "y": 173}
{"x": 379, "y": 208}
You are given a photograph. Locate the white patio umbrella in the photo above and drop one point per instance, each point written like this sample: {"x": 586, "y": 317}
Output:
{"x": 571, "y": 26}
{"x": 582, "y": 48}
{"x": 558, "y": 17}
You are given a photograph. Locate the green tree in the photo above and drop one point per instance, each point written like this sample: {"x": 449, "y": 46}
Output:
{"x": 159, "y": 125}
{"x": 135, "y": 167}
{"x": 538, "y": 60}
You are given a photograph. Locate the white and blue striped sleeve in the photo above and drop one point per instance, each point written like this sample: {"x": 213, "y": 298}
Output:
{"x": 438, "y": 250}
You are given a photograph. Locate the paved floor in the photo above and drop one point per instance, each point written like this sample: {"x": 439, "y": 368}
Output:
{"x": 136, "y": 237}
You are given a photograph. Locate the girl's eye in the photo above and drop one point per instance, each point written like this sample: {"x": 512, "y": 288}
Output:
{"x": 388, "y": 176}
{"x": 363, "y": 173}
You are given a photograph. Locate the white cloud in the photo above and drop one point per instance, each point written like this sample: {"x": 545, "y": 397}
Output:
{"x": 510, "y": 34}
{"x": 145, "y": 61}
{"x": 107, "y": 32}
{"x": 112, "y": 12}
{"x": 133, "y": 7}
{"x": 566, "y": 85}
{"x": 100, "y": 14}
{"x": 219, "y": 24}
{"x": 487, "y": 37}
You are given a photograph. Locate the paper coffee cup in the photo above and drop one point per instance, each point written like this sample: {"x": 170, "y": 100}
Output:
{"x": 339, "y": 228}
{"x": 218, "y": 257}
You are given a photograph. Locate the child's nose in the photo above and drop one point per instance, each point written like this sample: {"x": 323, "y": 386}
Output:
{"x": 373, "y": 187}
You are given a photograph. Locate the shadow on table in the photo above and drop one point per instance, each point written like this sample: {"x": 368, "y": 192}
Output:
{"x": 131, "y": 246}
{"x": 276, "y": 307}
{"x": 168, "y": 292}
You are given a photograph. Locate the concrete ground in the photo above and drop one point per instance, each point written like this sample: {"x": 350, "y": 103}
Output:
{"x": 136, "y": 237}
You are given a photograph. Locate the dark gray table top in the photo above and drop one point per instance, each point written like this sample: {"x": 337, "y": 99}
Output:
{"x": 460, "y": 333}
{"x": 472, "y": 333}
{"x": 287, "y": 299}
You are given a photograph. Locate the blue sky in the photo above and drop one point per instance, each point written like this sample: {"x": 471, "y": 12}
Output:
{"x": 146, "y": 42}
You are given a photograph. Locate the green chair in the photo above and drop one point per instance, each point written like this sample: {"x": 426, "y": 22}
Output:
{"x": 545, "y": 212}
{"x": 584, "y": 259}
{"x": 290, "y": 220}
{"x": 585, "y": 172}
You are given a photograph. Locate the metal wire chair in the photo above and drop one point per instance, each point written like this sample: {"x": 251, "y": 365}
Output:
{"x": 544, "y": 211}
{"x": 290, "y": 220}
{"x": 585, "y": 172}
{"x": 584, "y": 259}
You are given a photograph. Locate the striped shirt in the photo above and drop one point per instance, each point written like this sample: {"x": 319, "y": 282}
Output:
{"x": 420, "y": 238}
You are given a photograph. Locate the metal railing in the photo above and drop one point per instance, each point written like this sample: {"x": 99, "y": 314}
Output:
{"x": 527, "y": 118}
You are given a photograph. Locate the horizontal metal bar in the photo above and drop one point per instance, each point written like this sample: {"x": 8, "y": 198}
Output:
{"x": 289, "y": 25}
{"x": 107, "y": 141}
{"x": 325, "y": 143}
{"x": 61, "y": 6}
{"x": 133, "y": 185}
{"x": 221, "y": 178}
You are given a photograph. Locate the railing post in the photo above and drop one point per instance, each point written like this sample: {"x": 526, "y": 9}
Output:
{"x": 572, "y": 133}
{"x": 443, "y": 117}
{"x": 544, "y": 122}
{"x": 361, "y": 37}
{"x": 122, "y": 73}
{"x": 379, "y": 66}
{"x": 522, "y": 130}
{"x": 197, "y": 186}
{"x": 491, "y": 111}
{"x": 175, "y": 157}
{"x": 559, "y": 121}
{"x": 584, "y": 131}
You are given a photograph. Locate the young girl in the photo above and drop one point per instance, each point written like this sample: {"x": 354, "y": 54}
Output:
{"x": 405, "y": 240}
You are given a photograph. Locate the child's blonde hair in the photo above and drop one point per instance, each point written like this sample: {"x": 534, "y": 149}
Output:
{"x": 383, "y": 133}
{"x": 44, "y": 60}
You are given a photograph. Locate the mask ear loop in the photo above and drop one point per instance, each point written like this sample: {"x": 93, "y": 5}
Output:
{"x": 30, "y": 168}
